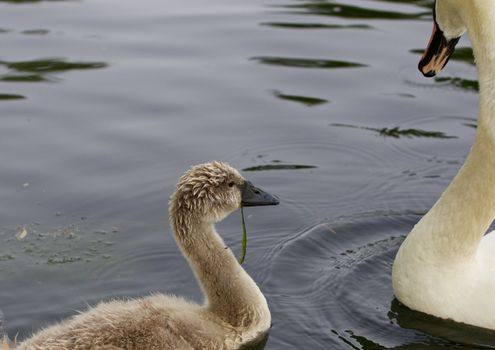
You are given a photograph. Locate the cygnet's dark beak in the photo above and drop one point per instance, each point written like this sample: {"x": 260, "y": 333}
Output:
{"x": 253, "y": 196}
{"x": 437, "y": 52}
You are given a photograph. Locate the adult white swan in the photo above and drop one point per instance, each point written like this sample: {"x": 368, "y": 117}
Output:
{"x": 235, "y": 311}
{"x": 446, "y": 266}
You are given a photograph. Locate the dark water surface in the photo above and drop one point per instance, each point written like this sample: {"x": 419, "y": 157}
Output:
{"x": 104, "y": 103}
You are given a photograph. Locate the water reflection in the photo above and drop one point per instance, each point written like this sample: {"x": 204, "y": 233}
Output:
{"x": 29, "y": 1}
{"x": 305, "y": 100}
{"x": 452, "y": 331}
{"x": 11, "y": 97}
{"x": 278, "y": 166}
{"x": 27, "y": 32}
{"x": 465, "y": 84}
{"x": 367, "y": 344}
{"x": 36, "y": 31}
{"x": 461, "y": 54}
{"x": 287, "y": 25}
{"x": 421, "y": 3}
{"x": 324, "y": 8}
{"x": 39, "y": 70}
{"x": 471, "y": 125}
{"x": 306, "y": 62}
{"x": 397, "y": 132}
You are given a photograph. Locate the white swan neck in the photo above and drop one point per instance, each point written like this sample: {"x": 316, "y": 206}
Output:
{"x": 460, "y": 218}
{"x": 481, "y": 30}
{"x": 230, "y": 292}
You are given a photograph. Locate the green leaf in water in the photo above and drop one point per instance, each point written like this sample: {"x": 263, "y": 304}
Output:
{"x": 244, "y": 237}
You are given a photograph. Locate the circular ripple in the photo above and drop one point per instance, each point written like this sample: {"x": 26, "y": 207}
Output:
{"x": 452, "y": 148}
{"x": 334, "y": 278}
{"x": 336, "y": 169}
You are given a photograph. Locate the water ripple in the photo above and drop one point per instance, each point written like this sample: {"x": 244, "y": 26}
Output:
{"x": 40, "y": 70}
{"x": 323, "y": 8}
{"x": 336, "y": 283}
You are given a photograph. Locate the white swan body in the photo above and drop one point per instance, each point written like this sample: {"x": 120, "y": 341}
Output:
{"x": 235, "y": 311}
{"x": 446, "y": 265}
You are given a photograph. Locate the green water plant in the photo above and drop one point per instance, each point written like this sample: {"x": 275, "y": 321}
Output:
{"x": 244, "y": 237}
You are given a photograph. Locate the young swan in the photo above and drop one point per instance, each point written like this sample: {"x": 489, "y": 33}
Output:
{"x": 235, "y": 311}
{"x": 446, "y": 266}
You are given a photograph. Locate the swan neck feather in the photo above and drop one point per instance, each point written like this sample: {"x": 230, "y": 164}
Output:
{"x": 455, "y": 225}
{"x": 230, "y": 292}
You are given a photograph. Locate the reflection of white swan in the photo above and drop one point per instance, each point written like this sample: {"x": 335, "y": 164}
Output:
{"x": 235, "y": 312}
{"x": 446, "y": 266}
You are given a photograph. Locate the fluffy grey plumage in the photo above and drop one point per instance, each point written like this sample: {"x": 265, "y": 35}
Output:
{"x": 235, "y": 311}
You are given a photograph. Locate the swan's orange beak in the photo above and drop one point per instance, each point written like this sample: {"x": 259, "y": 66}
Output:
{"x": 253, "y": 196}
{"x": 437, "y": 53}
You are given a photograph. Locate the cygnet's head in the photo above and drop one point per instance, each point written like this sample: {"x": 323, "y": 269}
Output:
{"x": 211, "y": 191}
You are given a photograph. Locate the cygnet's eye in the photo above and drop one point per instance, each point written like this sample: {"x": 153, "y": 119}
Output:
{"x": 231, "y": 184}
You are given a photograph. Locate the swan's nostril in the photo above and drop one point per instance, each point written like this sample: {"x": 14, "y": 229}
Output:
{"x": 257, "y": 192}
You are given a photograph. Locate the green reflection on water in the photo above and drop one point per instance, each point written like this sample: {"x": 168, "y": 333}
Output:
{"x": 461, "y": 54}
{"x": 287, "y": 25}
{"x": 305, "y": 100}
{"x": 11, "y": 97}
{"x": 466, "y": 84}
{"x": 421, "y": 3}
{"x": 29, "y": 1}
{"x": 51, "y": 65}
{"x": 306, "y": 62}
{"x": 267, "y": 167}
{"x": 37, "y": 70}
{"x": 324, "y": 8}
{"x": 24, "y": 78}
{"x": 397, "y": 132}
{"x": 36, "y": 31}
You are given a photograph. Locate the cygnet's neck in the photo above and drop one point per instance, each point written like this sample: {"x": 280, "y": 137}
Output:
{"x": 230, "y": 292}
{"x": 460, "y": 218}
